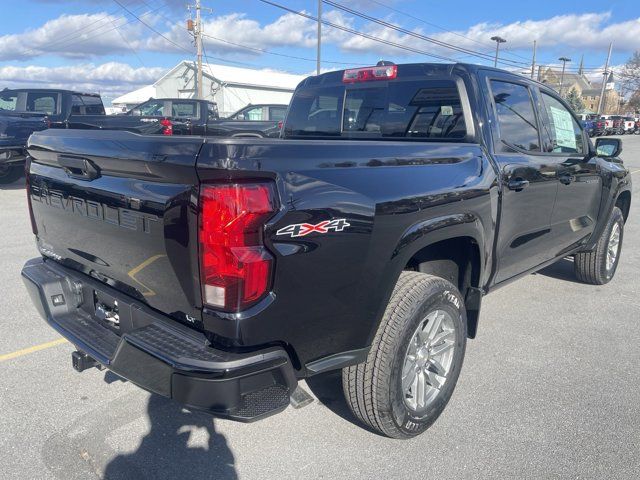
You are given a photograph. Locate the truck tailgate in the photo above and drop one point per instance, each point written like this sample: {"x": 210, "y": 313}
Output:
{"x": 120, "y": 207}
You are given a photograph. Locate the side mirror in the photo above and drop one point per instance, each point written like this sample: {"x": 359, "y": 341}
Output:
{"x": 608, "y": 147}
{"x": 136, "y": 112}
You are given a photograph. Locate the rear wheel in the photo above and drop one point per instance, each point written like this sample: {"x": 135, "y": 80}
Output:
{"x": 9, "y": 173}
{"x": 598, "y": 266}
{"x": 414, "y": 361}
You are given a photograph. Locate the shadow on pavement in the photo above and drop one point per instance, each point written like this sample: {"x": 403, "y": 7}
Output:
{"x": 181, "y": 444}
{"x": 327, "y": 387}
{"x": 561, "y": 270}
{"x": 19, "y": 184}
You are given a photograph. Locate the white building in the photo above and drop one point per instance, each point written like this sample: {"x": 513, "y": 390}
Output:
{"x": 230, "y": 87}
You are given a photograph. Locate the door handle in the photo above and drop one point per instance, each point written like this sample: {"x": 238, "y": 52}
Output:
{"x": 79, "y": 168}
{"x": 517, "y": 184}
{"x": 566, "y": 178}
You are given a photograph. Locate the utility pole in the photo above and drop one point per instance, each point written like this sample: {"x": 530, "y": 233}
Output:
{"x": 581, "y": 68}
{"x": 533, "y": 60}
{"x": 604, "y": 79}
{"x": 198, "y": 35}
{"x": 319, "y": 37}
{"x": 498, "y": 41}
{"x": 564, "y": 61}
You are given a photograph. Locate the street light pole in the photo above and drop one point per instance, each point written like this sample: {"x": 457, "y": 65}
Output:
{"x": 564, "y": 61}
{"x": 498, "y": 41}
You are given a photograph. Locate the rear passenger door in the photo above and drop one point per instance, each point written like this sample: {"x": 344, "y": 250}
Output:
{"x": 529, "y": 178}
{"x": 188, "y": 112}
{"x": 580, "y": 185}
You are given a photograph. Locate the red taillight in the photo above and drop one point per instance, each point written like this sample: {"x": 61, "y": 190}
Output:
{"x": 235, "y": 267}
{"x": 167, "y": 126}
{"x": 368, "y": 74}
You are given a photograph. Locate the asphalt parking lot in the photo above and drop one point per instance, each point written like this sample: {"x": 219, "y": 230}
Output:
{"x": 550, "y": 389}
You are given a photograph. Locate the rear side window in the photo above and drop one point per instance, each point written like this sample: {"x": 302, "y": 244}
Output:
{"x": 152, "y": 108}
{"x": 184, "y": 109}
{"x": 277, "y": 113}
{"x": 77, "y": 106}
{"x": 429, "y": 109}
{"x": 562, "y": 132}
{"x": 42, "y": 103}
{"x": 92, "y": 105}
{"x": 516, "y": 118}
{"x": 252, "y": 114}
{"x": 86, "y": 105}
{"x": 8, "y": 101}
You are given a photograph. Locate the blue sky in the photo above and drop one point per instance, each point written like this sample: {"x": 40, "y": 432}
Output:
{"x": 99, "y": 45}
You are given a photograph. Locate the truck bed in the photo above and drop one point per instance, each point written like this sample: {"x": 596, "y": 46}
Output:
{"x": 143, "y": 240}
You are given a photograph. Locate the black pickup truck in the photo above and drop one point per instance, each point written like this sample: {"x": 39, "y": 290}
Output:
{"x": 24, "y": 111}
{"x": 200, "y": 117}
{"x": 221, "y": 271}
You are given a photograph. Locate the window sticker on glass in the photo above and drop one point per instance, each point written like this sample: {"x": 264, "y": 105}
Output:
{"x": 563, "y": 126}
{"x": 446, "y": 110}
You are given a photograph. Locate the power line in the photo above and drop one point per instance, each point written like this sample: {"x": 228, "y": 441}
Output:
{"x": 124, "y": 39}
{"x": 152, "y": 28}
{"x": 479, "y": 42}
{"x": 255, "y": 49}
{"x": 418, "y": 35}
{"x": 261, "y": 50}
{"x": 358, "y": 33}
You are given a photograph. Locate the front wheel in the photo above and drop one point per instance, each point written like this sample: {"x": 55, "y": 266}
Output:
{"x": 9, "y": 173}
{"x": 415, "y": 358}
{"x": 598, "y": 266}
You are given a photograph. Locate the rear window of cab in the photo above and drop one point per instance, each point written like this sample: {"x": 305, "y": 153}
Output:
{"x": 419, "y": 109}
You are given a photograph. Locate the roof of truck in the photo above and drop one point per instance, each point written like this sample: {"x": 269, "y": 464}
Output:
{"x": 42, "y": 90}
{"x": 470, "y": 67}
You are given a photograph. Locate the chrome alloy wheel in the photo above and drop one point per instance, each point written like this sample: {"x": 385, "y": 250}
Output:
{"x": 613, "y": 247}
{"x": 428, "y": 360}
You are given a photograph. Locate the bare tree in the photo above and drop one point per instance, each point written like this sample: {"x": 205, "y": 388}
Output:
{"x": 634, "y": 102}
{"x": 630, "y": 74}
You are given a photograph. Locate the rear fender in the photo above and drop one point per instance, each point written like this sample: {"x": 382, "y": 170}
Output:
{"x": 422, "y": 235}
{"x": 615, "y": 180}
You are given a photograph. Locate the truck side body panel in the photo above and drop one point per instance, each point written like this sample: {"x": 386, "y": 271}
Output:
{"x": 397, "y": 197}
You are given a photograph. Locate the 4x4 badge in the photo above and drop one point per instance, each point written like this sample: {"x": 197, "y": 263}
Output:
{"x": 302, "y": 229}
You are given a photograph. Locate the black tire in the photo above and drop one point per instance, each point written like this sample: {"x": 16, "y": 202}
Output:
{"x": 10, "y": 173}
{"x": 373, "y": 389}
{"x": 591, "y": 267}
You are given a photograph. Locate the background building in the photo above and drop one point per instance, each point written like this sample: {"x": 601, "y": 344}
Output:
{"x": 230, "y": 87}
{"x": 588, "y": 91}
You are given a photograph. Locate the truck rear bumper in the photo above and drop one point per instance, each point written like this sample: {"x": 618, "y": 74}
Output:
{"x": 157, "y": 353}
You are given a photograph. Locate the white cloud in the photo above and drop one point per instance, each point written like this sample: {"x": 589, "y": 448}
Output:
{"x": 287, "y": 30}
{"x": 91, "y": 36}
{"x": 71, "y": 36}
{"x": 110, "y": 79}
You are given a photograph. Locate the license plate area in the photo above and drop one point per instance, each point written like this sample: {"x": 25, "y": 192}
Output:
{"x": 107, "y": 310}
